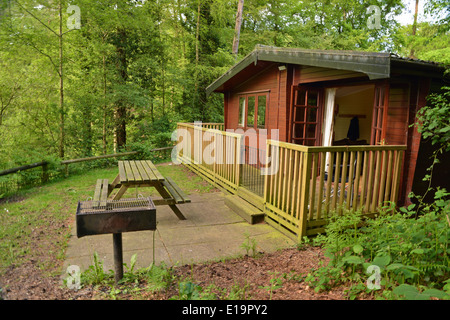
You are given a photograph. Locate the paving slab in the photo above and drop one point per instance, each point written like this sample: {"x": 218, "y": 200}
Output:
{"x": 211, "y": 232}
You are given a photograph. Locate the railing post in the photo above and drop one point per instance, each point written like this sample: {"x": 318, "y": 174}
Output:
{"x": 238, "y": 160}
{"x": 266, "y": 176}
{"x": 304, "y": 198}
{"x": 396, "y": 178}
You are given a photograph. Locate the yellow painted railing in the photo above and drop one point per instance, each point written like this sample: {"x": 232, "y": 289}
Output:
{"x": 310, "y": 183}
{"x": 210, "y": 152}
{"x": 303, "y": 185}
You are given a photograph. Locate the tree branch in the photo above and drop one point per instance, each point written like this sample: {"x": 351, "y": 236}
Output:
{"x": 39, "y": 20}
{"x": 45, "y": 54}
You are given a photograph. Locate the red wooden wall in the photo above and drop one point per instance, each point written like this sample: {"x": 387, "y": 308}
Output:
{"x": 271, "y": 80}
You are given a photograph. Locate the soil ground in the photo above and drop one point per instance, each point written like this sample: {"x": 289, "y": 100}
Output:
{"x": 252, "y": 276}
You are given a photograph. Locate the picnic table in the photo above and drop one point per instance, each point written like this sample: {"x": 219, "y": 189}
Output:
{"x": 142, "y": 173}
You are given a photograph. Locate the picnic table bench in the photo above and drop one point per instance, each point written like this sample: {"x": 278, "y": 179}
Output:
{"x": 143, "y": 173}
{"x": 115, "y": 216}
{"x": 101, "y": 193}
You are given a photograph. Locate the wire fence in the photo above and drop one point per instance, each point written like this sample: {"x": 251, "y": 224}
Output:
{"x": 29, "y": 176}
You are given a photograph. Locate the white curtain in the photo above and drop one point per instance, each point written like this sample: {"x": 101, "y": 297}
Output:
{"x": 328, "y": 122}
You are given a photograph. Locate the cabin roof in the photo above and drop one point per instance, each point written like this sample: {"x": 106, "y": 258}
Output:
{"x": 375, "y": 65}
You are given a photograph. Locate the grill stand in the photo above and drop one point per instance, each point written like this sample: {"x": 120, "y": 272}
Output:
{"x": 115, "y": 217}
{"x": 118, "y": 257}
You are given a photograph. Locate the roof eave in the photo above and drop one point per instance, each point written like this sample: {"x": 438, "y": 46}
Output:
{"x": 241, "y": 65}
{"x": 374, "y": 65}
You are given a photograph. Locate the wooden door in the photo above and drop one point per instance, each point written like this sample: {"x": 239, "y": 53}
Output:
{"x": 305, "y": 116}
{"x": 380, "y": 106}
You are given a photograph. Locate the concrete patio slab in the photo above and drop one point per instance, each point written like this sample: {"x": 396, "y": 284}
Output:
{"x": 212, "y": 232}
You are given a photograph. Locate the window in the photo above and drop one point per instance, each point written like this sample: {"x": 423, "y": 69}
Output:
{"x": 261, "y": 122}
{"x": 241, "y": 111}
{"x": 252, "y": 110}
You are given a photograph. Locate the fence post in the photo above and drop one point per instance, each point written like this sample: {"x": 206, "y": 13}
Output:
{"x": 44, "y": 172}
{"x": 304, "y": 197}
{"x": 266, "y": 176}
{"x": 396, "y": 178}
{"x": 238, "y": 160}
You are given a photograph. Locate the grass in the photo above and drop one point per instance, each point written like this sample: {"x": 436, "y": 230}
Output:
{"x": 42, "y": 215}
{"x": 186, "y": 180}
{"x": 411, "y": 252}
{"x": 36, "y": 223}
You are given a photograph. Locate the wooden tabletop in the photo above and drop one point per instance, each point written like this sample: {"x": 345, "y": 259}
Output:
{"x": 138, "y": 171}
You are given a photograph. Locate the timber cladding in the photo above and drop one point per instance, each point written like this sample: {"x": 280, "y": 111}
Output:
{"x": 397, "y": 114}
{"x": 271, "y": 81}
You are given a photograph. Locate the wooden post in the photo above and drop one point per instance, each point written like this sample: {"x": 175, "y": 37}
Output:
{"x": 238, "y": 160}
{"x": 266, "y": 177}
{"x": 44, "y": 172}
{"x": 306, "y": 175}
{"x": 321, "y": 185}
{"x": 66, "y": 170}
{"x": 397, "y": 175}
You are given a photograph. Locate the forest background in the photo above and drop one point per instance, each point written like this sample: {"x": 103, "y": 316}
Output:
{"x": 82, "y": 78}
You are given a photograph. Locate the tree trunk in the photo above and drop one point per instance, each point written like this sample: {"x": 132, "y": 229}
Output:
{"x": 411, "y": 54}
{"x": 61, "y": 86}
{"x": 104, "y": 106}
{"x": 178, "y": 28}
{"x": 121, "y": 136}
{"x": 237, "y": 29}
{"x": 121, "y": 110}
{"x": 197, "y": 35}
{"x": 197, "y": 55}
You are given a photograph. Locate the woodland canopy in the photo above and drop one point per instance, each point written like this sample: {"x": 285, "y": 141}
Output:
{"x": 82, "y": 78}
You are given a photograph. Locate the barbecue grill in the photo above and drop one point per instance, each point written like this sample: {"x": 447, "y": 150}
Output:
{"x": 115, "y": 216}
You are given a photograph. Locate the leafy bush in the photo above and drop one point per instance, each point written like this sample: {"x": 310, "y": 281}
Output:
{"x": 407, "y": 248}
{"x": 434, "y": 119}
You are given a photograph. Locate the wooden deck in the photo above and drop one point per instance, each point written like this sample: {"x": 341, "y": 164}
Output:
{"x": 311, "y": 183}
{"x": 304, "y": 185}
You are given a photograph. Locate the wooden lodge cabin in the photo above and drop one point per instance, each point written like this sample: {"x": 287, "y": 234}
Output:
{"x": 332, "y": 98}
{"x": 343, "y": 136}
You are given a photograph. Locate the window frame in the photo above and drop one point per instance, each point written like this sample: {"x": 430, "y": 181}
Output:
{"x": 256, "y": 95}
{"x": 305, "y": 108}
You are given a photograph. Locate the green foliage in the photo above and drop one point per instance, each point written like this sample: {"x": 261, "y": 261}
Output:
{"x": 275, "y": 283}
{"x": 188, "y": 290}
{"x": 407, "y": 249}
{"x": 158, "y": 277}
{"x": 95, "y": 274}
{"x": 434, "y": 119}
{"x": 410, "y": 292}
{"x": 429, "y": 43}
{"x": 249, "y": 244}
{"x": 131, "y": 71}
